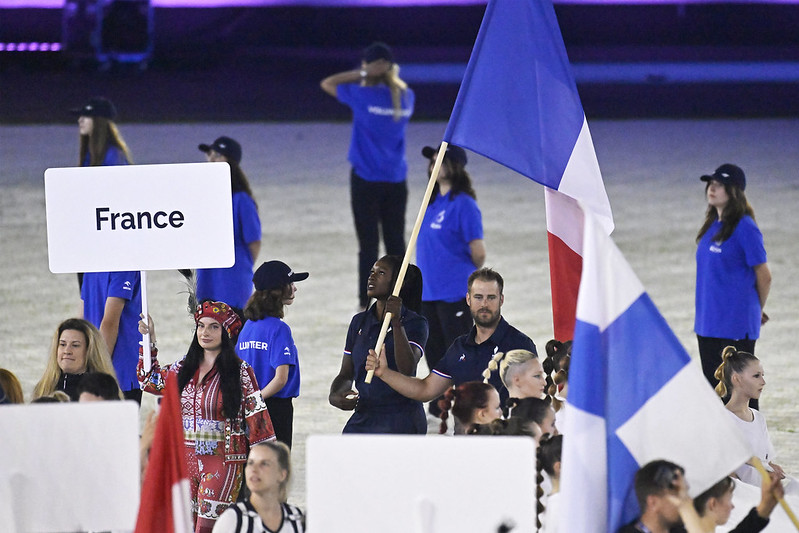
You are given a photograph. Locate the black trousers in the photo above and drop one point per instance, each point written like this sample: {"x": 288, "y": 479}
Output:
{"x": 281, "y": 411}
{"x": 376, "y": 206}
{"x": 446, "y": 321}
{"x": 710, "y": 349}
{"x": 134, "y": 394}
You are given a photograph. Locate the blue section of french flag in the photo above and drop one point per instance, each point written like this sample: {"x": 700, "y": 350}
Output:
{"x": 634, "y": 396}
{"x": 519, "y": 53}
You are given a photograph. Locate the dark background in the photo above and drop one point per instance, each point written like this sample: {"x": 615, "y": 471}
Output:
{"x": 265, "y": 64}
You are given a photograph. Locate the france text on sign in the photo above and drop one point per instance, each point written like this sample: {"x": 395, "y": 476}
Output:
{"x": 139, "y": 217}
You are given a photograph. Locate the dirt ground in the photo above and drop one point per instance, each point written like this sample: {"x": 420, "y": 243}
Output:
{"x": 299, "y": 175}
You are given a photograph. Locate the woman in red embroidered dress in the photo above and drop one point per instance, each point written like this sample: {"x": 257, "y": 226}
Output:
{"x": 223, "y": 412}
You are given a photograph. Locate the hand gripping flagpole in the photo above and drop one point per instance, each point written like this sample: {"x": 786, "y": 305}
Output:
{"x": 409, "y": 250}
{"x": 767, "y": 479}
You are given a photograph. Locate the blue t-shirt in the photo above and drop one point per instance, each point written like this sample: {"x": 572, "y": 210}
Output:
{"x": 234, "y": 285}
{"x": 377, "y": 145}
{"x": 442, "y": 249}
{"x": 113, "y": 156}
{"x": 361, "y": 337}
{"x": 96, "y": 288}
{"x": 465, "y": 360}
{"x": 727, "y": 303}
{"x": 267, "y": 344}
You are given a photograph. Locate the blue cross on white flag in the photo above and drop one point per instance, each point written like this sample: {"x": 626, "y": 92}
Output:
{"x": 634, "y": 396}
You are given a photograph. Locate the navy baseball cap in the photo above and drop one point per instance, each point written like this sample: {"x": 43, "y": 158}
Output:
{"x": 377, "y": 50}
{"x": 225, "y": 146}
{"x": 456, "y": 154}
{"x": 275, "y": 274}
{"x": 728, "y": 174}
{"x": 97, "y": 106}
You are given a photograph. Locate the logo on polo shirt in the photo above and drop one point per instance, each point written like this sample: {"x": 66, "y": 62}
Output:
{"x": 127, "y": 286}
{"x": 462, "y": 357}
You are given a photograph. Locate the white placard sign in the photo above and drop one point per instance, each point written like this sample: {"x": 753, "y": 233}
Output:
{"x": 139, "y": 217}
{"x": 429, "y": 484}
{"x": 69, "y": 467}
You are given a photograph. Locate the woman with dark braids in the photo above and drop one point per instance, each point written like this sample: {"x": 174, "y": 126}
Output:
{"x": 732, "y": 276}
{"x": 534, "y": 410}
{"x": 549, "y": 452}
{"x": 223, "y": 411}
{"x": 556, "y": 372}
{"x": 473, "y": 402}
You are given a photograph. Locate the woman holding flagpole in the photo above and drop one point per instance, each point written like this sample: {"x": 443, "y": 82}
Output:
{"x": 223, "y": 412}
{"x": 378, "y": 408}
{"x": 381, "y": 104}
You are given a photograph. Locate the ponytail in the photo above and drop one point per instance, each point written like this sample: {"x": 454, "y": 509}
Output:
{"x": 733, "y": 362}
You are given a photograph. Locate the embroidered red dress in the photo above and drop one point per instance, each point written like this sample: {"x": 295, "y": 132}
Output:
{"x": 216, "y": 447}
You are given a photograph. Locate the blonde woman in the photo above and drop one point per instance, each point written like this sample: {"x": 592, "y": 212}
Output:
{"x": 520, "y": 371}
{"x": 77, "y": 347}
{"x": 382, "y": 105}
{"x": 742, "y": 379}
{"x": 268, "y": 474}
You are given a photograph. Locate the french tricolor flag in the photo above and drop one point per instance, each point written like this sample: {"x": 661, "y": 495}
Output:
{"x": 634, "y": 396}
{"x": 518, "y": 105}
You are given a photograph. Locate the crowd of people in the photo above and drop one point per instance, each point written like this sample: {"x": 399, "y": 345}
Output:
{"x": 241, "y": 371}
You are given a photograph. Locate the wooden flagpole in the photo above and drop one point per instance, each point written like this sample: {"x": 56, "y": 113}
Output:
{"x": 409, "y": 250}
{"x": 767, "y": 479}
{"x": 145, "y": 340}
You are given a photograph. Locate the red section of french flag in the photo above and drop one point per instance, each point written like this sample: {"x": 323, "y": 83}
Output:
{"x": 564, "y": 236}
{"x": 565, "y": 267}
{"x": 165, "y": 501}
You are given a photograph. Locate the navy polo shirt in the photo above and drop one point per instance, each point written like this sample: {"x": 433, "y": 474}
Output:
{"x": 465, "y": 360}
{"x": 361, "y": 337}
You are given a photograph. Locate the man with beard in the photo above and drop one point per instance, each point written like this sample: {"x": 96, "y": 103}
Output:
{"x": 469, "y": 354}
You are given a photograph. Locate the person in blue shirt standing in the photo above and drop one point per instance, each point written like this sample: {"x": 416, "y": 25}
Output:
{"x": 101, "y": 144}
{"x": 233, "y": 285}
{"x": 266, "y": 343}
{"x": 732, "y": 274}
{"x": 112, "y": 303}
{"x": 449, "y": 248}
{"x": 381, "y": 104}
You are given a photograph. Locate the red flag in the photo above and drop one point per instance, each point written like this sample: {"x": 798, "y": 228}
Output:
{"x": 165, "y": 500}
